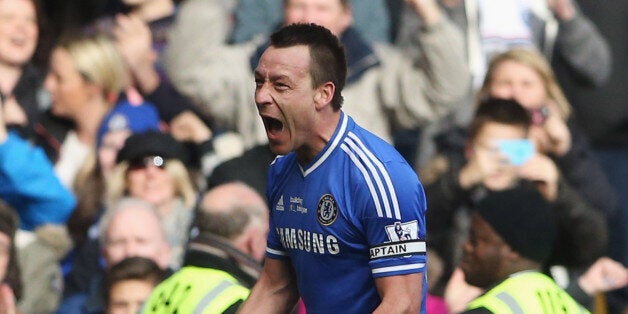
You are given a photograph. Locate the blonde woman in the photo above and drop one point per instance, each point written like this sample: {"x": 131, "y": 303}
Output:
{"x": 152, "y": 166}
{"x": 86, "y": 76}
{"x": 525, "y": 76}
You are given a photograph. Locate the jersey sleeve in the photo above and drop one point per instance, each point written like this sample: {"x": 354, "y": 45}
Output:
{"x": 274, "y": 248}
{"x": 392, "y": 213}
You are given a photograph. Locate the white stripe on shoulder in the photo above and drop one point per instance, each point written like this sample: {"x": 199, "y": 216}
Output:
{"x": 276, "y": 252}
{"x": 367, "y": 178}
{"x": 382, "y": 178}
{"x": 371, "y": 173}
{"x": 385, "y": 175}
{"x": 332, "y": 147}
{"x": 397, "y": 268}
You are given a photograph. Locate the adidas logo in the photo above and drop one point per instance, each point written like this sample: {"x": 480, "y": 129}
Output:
{"x": 279, "y": 205}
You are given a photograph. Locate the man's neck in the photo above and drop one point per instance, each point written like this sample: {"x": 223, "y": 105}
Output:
{"x": 319, "y": 139}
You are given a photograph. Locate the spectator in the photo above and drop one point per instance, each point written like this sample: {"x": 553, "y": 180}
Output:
{"x": 254, "y": 18}
{"x": 604, "y": 275}
{"x": 122, "y": 121}
{"x": 553, "y": 131}
{"x": 87, "y": 75}
{"x": 140, "y": 38}
{"x": 131, "y": 227}
{"x": 469, "y": 165}
{"x": 29, "y": 183}
{"x": 151, "y": 166}
{"x": 224, "y": 260}
{"x": 43, "y": 204}
{"x": 121, "y": 238}
{"x": 511, "y": 237}
{"x": 555, "y": 28}
{"x": 129, "y": 283}
{"x": 385, "y": 89}
{"x": 89, "y": 188}
{"x": 140, "y": 31}
{"x": 21, "y": 81}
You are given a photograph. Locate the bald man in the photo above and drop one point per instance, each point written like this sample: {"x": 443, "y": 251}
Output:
{"x": 133, "y": 228}
{"x": 223, "y": 260}
{"x": 129, "y": 228}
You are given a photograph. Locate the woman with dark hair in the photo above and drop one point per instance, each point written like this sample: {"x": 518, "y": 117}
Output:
{"x": 21, "y": 81}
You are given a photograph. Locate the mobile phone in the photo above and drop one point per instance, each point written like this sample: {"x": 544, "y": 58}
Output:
{"x": 517, "y": 151}
{"x": 539, "y": 115}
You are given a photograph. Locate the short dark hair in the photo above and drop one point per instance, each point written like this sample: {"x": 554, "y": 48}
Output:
{"x": 328, "y": 60}
{"x": 505, "y": 111}
{"x": 133, "y": 268}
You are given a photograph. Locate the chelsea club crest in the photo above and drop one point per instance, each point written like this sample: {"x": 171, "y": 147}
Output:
{"x": 327, "y": 210}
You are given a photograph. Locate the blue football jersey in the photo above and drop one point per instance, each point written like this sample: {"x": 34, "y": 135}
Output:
{"x": 355, "y": 213}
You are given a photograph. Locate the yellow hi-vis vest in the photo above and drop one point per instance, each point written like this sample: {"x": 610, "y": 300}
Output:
{"x": 195, "y": 290}
{"x": 528, "y": 292}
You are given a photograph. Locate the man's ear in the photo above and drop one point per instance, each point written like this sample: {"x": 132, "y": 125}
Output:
{"x": 95, "y": 91}
{"x": 164, "y": 255}
{"x": 324, "y": 95}
{"x": 510, "y": 254}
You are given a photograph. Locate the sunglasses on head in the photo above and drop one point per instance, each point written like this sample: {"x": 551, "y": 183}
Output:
{"x": 144, "y": 162}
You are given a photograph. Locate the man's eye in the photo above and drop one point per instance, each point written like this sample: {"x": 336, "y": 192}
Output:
{"x": 281, "y": 86}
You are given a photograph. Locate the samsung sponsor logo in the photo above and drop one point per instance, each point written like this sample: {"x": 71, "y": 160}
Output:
{"x": 299, "y": 239}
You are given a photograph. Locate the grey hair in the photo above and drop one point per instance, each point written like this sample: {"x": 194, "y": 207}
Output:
{"x": 122, "y": 205}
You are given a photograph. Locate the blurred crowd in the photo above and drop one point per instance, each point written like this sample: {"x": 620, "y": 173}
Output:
{"x": 132, "y": 156}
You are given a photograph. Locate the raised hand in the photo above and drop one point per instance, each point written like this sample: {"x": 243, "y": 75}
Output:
{"x": 134, "y": 41}
{"x": 563, "y": 9}
{"x": 187, "y": 126}
{"x": 483, "y": 161}
{"x": 604, "y": 275}
{"x": 428, "y": 10}
{"x": 553, "y": 136}
{"x": 541, "y": 170}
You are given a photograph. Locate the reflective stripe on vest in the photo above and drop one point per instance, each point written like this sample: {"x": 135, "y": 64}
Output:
{"x": 528, "y": 292}
{"x": 208, "y": 298}
{"x": 510, "y": 302}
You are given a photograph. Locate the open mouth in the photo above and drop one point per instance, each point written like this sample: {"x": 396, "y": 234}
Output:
{"x": 273, "y": 126}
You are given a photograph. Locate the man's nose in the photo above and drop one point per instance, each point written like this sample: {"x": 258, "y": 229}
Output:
{"x": 262, "y": 95}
